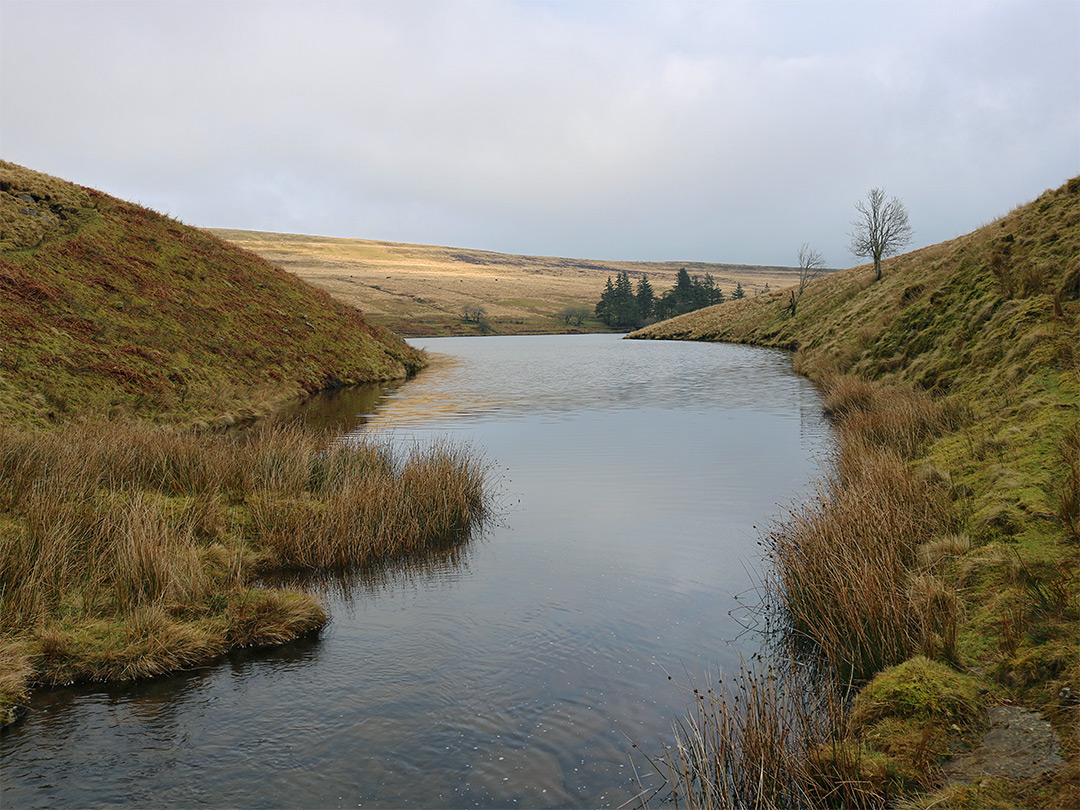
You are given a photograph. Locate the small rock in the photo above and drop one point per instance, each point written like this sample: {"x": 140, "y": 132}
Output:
{"x": 1019, "y": 744}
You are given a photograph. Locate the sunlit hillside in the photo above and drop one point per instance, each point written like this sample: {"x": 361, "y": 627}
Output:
{"x": 959, "y": 371}
{"x": 423, "y": 289}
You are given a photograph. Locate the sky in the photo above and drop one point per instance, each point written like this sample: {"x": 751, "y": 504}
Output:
{"x": 721, "y": 131}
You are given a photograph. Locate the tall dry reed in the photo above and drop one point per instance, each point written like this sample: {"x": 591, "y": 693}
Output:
{"x": 769, "y": 738}
{"x": 846, "y": 567}
{"x": 137, "y": 527}
{"x": 856, "y": 584}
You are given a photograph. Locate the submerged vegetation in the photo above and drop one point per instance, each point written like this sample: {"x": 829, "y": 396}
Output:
{"x": 136, "y": 533}
{"x": 935, "y": 573}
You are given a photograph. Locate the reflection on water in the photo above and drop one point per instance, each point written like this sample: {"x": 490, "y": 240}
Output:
{"x": 513, "y": 671}
{"x": 433, "y": 566}
{"x": 344, "y": 409}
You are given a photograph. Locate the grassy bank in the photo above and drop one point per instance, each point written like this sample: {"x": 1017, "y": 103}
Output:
{"x": 948, "y": 531}
{"x": 135, "y": 533}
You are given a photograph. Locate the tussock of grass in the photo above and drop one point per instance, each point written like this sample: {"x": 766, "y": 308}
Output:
{"x": 846, "y": 565}
{"x": 128, "y": 550}
{"x": 775, "y": 739}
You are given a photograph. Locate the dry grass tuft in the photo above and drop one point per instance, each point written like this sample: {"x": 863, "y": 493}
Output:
{"x": 843, "y": 564}
{"x": 1068, "y": 495}
{"x": 772, "y": 739}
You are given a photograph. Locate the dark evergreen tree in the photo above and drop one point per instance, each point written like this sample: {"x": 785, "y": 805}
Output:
{"x": 626, "y": 314}
{"x": 710, "y": 293}
{"x": 735, "y": 296}
{"x": 645, "y": 298}
{"x": 620, "y": 307}
{"x": 606, "y": 304}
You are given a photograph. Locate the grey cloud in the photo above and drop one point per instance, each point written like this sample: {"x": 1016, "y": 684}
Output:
{"x": 710, "y": 131}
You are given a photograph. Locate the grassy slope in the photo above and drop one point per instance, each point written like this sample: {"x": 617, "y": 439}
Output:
{"x": 988, "y": 321}
{"x": 421, "y": 289}
{"x": 107, "y": 306}
{"x": 134, "y": 547}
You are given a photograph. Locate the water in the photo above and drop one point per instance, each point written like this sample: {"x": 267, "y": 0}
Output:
{"x": 513, "y": 672}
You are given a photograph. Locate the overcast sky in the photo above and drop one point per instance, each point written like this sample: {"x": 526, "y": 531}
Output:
{"x": 710, "y": 131}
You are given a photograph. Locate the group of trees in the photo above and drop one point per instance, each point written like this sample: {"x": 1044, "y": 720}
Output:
{"x": 624, "y": 305}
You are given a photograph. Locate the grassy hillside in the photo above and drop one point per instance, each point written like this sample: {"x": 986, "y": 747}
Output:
{"x": 951, "y": 527}
{"x": 133, "y": 542}
{"x": 106, "y": 306}
{"x": 422, "y": 289}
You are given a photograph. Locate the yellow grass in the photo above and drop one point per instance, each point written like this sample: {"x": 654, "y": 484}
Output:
{"x": 421, "y": 289}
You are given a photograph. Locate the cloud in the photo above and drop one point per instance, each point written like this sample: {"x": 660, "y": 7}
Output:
{"x": 729, "y": 131}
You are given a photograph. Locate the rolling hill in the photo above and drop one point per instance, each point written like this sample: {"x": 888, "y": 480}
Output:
{"x": 954, "y": 382}
{"x": 420, "y": 290}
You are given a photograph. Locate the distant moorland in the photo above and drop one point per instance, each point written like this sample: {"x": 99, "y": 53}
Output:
{"x": 421, "y": 290}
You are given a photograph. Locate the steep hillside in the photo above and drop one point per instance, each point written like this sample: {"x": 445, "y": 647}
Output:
{"x": 958, "y": 375}
{"x": 106, "y": 306}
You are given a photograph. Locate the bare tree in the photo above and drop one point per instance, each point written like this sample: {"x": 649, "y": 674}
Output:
{"x": 473, "y": 313}
{"x": 811, "y": 265}
{"x": 881, "y": 229}
{"x": 575, "y": 315}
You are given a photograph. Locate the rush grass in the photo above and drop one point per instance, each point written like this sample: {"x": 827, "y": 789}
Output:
{"x": 948, "y": 528}
{"x": 129, "y": 550}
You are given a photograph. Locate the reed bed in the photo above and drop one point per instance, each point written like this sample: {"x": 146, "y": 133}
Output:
{"x": 847, "y": 572}
{"x": 855, "y": 578}
{"x": 128, "y": 549}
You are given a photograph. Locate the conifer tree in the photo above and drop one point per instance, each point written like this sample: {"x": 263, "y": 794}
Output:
{"x": 645, "y": 298}
{"x": 606, "y": 304}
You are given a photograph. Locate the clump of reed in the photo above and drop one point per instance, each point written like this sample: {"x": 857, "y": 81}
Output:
{"x": 360, "y": 507}
{"x": 847, "y": 567}
{"x": 770, "y": 738}
{"x": 895, "y": 418}
{"x": 128, "y": 549}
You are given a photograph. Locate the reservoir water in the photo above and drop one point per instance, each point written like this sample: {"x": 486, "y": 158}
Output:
{"x": 631, "y": 482}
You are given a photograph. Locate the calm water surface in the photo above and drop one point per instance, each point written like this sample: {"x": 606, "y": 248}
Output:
{"x": 516, "y": 671}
